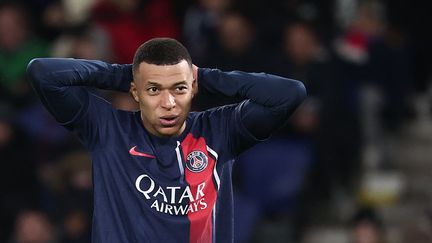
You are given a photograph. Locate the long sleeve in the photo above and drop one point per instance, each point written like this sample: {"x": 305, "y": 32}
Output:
{"x": 63, "y": 83}
{"x": 270, "y": 99}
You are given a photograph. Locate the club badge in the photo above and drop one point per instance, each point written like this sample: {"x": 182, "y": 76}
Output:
{"x": 196, "y": 161}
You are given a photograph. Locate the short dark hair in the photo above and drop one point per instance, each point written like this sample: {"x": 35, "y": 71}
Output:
{"x": 161, "y": 51}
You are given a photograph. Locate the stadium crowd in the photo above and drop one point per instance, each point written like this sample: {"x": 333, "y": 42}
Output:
{"x": 362, "y": 61}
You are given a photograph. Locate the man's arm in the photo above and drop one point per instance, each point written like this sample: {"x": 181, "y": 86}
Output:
{"x": 60, "y": 83}
{"x": 271, "y": 99}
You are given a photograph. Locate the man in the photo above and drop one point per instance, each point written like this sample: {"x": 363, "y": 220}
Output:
{"x": 163, "y": 173}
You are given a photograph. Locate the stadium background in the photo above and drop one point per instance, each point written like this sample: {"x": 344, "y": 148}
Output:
{"x": 351, "y": 165}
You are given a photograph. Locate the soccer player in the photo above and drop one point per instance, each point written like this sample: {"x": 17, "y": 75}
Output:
{"x": 163, "y": 173}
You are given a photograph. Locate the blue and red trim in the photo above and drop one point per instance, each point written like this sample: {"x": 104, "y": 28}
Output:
{"x": 201, "y": 221}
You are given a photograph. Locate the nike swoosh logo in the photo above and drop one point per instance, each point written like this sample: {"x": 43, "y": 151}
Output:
{"x": 133, "y": 151}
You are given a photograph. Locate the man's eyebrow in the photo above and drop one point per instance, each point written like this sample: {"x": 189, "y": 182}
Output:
{"x": 180, "y": 82}
{"x": 150, "y": 83}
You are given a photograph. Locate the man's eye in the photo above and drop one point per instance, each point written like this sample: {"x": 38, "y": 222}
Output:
{"x": 152, "y": 90}
{"x": 181, "y": 88}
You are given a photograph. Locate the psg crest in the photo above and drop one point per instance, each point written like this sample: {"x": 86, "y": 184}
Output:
{"x": 196, "y": 161}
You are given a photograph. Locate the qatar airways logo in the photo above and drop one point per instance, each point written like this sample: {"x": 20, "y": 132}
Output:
{"x": 172, "y": 199}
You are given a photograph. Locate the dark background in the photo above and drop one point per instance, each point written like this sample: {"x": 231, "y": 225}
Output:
{"x": 351, "y": 165}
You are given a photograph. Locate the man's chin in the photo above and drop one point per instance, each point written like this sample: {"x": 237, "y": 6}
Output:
{"x": 169, "y": 131}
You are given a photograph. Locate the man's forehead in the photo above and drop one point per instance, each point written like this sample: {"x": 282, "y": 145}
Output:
{"x": 182, "y": 66}
{"x": 164, "y": 80}
{"x": 164, "y": 73}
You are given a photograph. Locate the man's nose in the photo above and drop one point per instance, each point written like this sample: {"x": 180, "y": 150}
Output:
{"x": 168, "y": 100}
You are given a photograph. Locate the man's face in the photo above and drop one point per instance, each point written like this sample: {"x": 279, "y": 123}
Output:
{"x": 164, "y": 94}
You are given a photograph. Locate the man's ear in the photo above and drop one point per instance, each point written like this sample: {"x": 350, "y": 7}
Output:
{"x": 133, "y": 90}
{"x": 195, "y": 80}
{"x": 194, "y": 87}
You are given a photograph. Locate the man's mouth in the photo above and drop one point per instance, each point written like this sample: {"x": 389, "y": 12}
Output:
{"x": 168, "y": 121}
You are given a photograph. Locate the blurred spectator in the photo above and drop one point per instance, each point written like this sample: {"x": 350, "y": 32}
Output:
{"x": 366, "y": 227}
{"x": 234, "y": 49}
{"x": 76, "y": 227}
{"x": 78, "y": 12}
{"x": 328, "y": 119}
{"x": 367, "y": 24}
{"x": 88, "y": 42}
{"x": 33, "y": 226}
{"x": 301, "y": 52}
{"x": 18, "y": 184}
{"x": 270, "y": 176}
{"x": 60, "y": 16}
{"x": 52, "y": 19}
{"x": 377, "y": 58}
{"x": 200, "y": 26}
{"x": 383, "y": 56}
{"x": 236, "y": 46}
{"x": 275, "y": 186}
{"x": 17, "y": 47}
{"x": 132, "y": 22}
{"x": 67, "y": 183}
